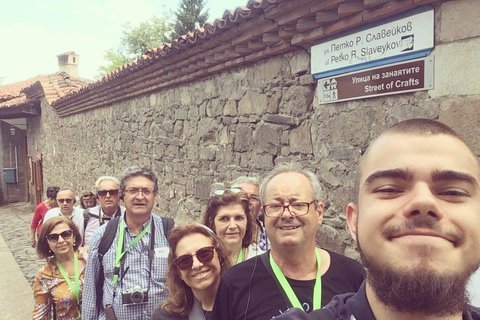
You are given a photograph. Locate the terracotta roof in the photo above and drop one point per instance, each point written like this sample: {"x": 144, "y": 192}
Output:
{"x": 52, "y": 87}
{"x": 249, "y": 33}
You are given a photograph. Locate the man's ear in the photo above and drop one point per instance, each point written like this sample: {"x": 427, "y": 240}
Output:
{"x": 352, "y": 219}
{"x": 319, "y": 210}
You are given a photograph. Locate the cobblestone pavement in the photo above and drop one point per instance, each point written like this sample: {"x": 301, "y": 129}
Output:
{"x": 15, "y": 229}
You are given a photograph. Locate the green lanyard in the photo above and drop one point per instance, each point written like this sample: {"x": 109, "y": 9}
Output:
{"x": 120, "y": 254}
{"x": 240, "y": 256}
{"x": 317, "y": 290}
{"x": 75, "y": 287}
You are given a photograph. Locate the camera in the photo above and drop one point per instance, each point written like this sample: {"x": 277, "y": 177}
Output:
{"x": 136, "y": 295}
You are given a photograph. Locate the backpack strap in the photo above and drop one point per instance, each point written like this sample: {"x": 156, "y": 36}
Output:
{"x": 105, "y": 244}
{"x": 86, "y": 217}
{"x": 168, "y": 224}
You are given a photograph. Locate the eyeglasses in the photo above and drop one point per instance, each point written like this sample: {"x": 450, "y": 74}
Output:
{"x": 295, "y": 208}
{"x": 220, "y": 192}
{"x": 136, "y": 191}
{"x": 65, "y": 200}
{"x": 53, "y": 237}
{"x": 103, "y": 193}
{"x": 204, "y": 255}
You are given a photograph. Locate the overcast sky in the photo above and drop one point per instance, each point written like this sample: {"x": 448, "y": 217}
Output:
{"x": 34, "y": 32}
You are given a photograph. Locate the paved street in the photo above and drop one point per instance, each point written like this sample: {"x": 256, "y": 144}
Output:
{"x": 15, "y": 230}
{"x": 19, "y": 262}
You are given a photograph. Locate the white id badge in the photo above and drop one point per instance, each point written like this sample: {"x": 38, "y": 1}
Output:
{"x": 162, "y": 252}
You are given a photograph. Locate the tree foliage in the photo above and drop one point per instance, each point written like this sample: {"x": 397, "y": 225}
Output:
{"x": 188, "y": 17}
{"x": 135, "y": 42}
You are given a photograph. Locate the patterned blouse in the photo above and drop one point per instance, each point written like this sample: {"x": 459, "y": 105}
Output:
{"x": 50, "y": 287}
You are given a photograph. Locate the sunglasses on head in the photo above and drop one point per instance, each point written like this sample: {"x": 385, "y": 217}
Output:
{"x": 204, "y": 255}
{"x": 220, "y": 192}
{"x": 103, "y": 193}
{"x": 65, "y": 200}
{"x": 53, "y": 237}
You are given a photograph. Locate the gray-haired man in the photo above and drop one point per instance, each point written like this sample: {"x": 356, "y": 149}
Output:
{"x": 127, "y": 280}
{"x": 108, "y": 192}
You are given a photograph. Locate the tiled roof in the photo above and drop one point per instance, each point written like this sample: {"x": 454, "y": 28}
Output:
{"x": 52, "y": 87}
{"x": 260, "y": 29}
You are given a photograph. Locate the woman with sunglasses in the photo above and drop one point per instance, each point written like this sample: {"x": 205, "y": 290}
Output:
{"x": 58, "y": 285}
{"x": 196, "y": 263}
{"x": 228, "y": 215}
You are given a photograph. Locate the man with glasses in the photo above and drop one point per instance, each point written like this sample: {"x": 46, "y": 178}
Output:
{"x": 132, "y": 272}
{"x": 294, "y": 272}
{"x": 108, "y": 192}
{"x": 250, "y": 187}
{"x": 66, "y": 200}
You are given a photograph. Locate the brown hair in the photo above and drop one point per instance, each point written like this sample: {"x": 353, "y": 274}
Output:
{"x": 181, "y": 301}
{"x": 88, "y": 194}
{"x": 43, "y": 250}
{"x": 228, "y": 199}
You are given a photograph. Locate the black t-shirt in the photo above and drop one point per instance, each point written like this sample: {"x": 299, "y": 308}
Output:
{"x": 248, "y": 291}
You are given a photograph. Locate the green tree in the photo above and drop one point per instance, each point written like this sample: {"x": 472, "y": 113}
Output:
{"x": 135, "y": 42}
{"x": 188, "y": 17}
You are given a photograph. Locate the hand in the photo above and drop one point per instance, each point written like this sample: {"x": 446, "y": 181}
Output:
{"x": 33, "y": 243}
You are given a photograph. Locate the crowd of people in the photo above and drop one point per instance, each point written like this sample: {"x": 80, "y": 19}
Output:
{"x": 415, "y": 218}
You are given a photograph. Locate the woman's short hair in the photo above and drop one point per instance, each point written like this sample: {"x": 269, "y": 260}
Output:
{"x": 229, "y": 198}
{"x": 43, "y": 250}
{"x": 181, "y": 301}
{"x": 88, "y": 194}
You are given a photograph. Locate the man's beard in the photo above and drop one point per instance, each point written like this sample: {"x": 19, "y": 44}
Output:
{"x": 419, "y": 289}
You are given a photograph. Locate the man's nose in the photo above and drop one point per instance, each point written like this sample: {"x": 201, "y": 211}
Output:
{"x": 423, "y": 203}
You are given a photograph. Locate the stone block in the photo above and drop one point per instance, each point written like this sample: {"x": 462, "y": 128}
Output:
{"x": 202, "y": 187}
{"x": 181, "y": 114}
{"x": 230, "y": 108}
{"x": 252, "y": 103}
{"x": 300, "y": 139}
{"x": 300, "y": 62}
{"x": 280, "y": 119}
{"x": 153, "y": 100}
{"x": 274, "y": 102}
{"x": 193, "y": 112}
{"x": 272, "y": 68}
{"x": 459, "y": 20}
{"x": 214, "y": 108}
{"x": 178, "y": 129}
{"x": 262, "y": 162}
{"x": 207, "y": 153}
{"x": 306, "y": 79}
{"x": 330, "y": 238}
{"x": 267, "y": 138}
{"x": 457, "y": 71}
{"x": 243, "y": 139}
{"x": 297, "y": 100}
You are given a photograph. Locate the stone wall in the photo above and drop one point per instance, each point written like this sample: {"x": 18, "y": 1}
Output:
{"x": 247, "y": 119}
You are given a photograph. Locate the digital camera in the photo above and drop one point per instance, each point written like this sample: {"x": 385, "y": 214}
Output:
{"x": 136, "y": 295}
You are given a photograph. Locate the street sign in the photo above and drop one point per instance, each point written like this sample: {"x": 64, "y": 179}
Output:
{"x": 409, "y": 36}
{"x": 414, "y": 75}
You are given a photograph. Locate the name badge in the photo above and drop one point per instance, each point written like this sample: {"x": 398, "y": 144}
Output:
{"x": 162, "y": 252}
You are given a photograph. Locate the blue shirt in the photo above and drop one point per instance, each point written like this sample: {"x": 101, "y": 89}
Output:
{"x": 138, "y": 273}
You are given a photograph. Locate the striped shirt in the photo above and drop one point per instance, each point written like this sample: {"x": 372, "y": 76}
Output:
{"x": 137, "y": 274}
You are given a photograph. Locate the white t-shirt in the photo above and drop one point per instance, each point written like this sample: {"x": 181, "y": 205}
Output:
{"x": 77, "y": 217}
{"x": 93, "y": 223}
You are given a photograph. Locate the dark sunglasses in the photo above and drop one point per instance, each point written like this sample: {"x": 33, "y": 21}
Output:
{"x": 65, "y": 200}
{"x": 53, "y": 237}
{"x": 103, "y": 193}
{"x": 204, "y": 255}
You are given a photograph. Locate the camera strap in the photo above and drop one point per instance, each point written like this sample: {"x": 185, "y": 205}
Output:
{"x": 74, "y": 287}
{"x": 120, "y": 244}
{"x": 292, "y": 297}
